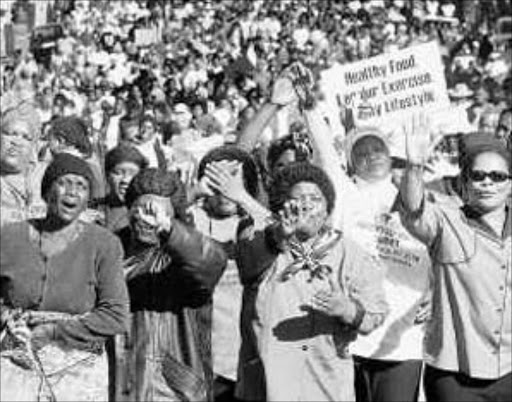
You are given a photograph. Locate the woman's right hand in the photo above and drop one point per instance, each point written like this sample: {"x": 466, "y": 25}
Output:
{"x": 289, "y": 218}
{"x": 283, "y": 92}
{"x": 155, "y": 214}
{"x": 419, "y": 139}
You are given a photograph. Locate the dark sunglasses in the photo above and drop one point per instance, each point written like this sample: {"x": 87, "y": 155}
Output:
{"x": 495, "y": 176}
{"x": 398, "y": 163}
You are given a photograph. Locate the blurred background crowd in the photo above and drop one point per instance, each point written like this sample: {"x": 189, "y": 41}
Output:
{"x": 202, "y": 69}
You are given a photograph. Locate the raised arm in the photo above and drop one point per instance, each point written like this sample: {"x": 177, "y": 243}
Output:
{"x": 417, "y": 142}
{"x": 324, "y": 151}
{"x": 326, "y": 157}
{"x": 418, "y": 215}
{"x": 282, "y": 95}
{"x": 252, "y": 131}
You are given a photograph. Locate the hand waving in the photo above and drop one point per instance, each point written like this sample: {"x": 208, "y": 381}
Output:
{"x": 289, "y": 218}
{"x": 303, "y": 82}
{"x": 419, "y": 139}
{"x": 283, "y": 91}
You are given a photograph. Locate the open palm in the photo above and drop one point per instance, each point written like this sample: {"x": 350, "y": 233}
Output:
{"x": 420, "y": 141}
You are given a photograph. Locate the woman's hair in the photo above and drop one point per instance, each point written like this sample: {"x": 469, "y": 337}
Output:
{"x": 233, "y": 153}
{"x": 295, "y": 173}
{"x": 474, "y": 145}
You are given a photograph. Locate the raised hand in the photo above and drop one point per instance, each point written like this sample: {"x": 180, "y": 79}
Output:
{"x": 419, "y": 139}
{"x": 226, "y": 177}
{"x": 283, "y": 91}
{"x": 303, "y": 82}
{"x": 155, "y": 214}
{"x": 289, "y": 218}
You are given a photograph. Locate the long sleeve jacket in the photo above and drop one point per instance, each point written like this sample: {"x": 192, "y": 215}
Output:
{"x": 165, "y": 356}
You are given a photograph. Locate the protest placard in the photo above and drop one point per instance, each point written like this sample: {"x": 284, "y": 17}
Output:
{"x": 384, "y": 90}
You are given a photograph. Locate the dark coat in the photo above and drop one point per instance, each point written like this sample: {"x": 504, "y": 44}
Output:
{"x": 164, "y": 355}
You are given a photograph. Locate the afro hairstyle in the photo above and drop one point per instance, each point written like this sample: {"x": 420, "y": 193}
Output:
{"x": 298, "y": 172}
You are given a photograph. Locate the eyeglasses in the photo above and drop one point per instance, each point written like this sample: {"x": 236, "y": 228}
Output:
{"x": 495, "y": 176}
{"x": 398, "y": 163}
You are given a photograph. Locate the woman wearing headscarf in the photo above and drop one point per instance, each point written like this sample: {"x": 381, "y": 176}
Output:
{"x": 122, "y": 164}
{"x": 308, "y": 292}
{"x": 64, "y": 294}
{"x": 171, "y": 270}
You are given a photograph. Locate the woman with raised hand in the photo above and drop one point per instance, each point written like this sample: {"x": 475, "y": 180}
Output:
{"x": 171, "y": 270}
{"x": 308, "y": 292}
{"x": 469, "y": 337}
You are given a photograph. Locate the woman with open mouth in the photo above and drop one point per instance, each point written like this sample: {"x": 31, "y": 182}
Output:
{"x": 308, "y": 292}
{"x": 64, "y": 294}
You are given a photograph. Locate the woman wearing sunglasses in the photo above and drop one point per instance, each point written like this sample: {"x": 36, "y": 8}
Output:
{"x": 468, "y": 341}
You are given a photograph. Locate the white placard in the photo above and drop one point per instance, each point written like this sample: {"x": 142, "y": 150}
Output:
{"x": 384, "y": 90}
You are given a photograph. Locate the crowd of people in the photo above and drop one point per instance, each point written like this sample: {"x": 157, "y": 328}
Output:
{"x": 184, "y": 218}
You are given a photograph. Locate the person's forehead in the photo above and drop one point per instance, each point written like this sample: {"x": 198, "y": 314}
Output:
{"x": 305, "y": 187}
{"x": 17, "y": 125}
{"x": 72, "y": 177}
{"x": 153, "y": 198}
{"x": 368, "y": 141}
{"x": 127, "y": 165}
{"x": 490, "y": 160}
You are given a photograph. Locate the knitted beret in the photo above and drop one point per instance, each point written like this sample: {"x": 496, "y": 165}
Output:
{"x": 74, "y": 131}
{"x": 289, "y": 176}
{"x": 124, "y": 153}
{"x": 63, "y": 164}
{"x": 161, "y": 183}
{"x": 233, "y": 153}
